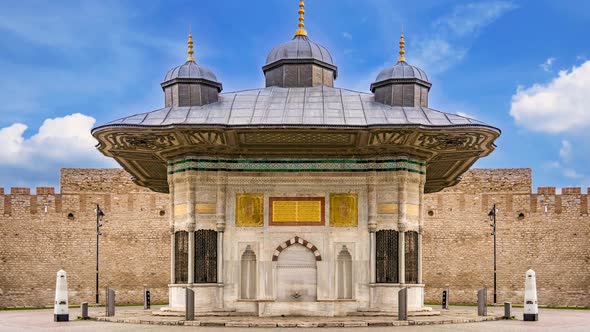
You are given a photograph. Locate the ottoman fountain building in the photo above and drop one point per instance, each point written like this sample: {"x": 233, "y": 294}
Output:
{"x": 298, "y": 198}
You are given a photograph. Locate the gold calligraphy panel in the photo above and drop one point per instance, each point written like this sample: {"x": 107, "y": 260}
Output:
{"x": 388, "y": 208}
{"x": 205, "y": 208}
{"x": 344, "y": 210}
{"x": 249, "y": 210}
{"x": 300, "y": 211}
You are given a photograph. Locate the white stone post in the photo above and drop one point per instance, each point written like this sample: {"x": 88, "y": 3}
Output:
{"x": 60, "y": 309}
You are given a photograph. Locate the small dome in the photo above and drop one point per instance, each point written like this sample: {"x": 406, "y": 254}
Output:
{"x": 300, "y": 48}
{"x": 190, "y": 70}
{"x": 402, "y": 70}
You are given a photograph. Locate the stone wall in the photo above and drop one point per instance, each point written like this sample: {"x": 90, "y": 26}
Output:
{"x": 37, "y": 239}
{"x": 42, "y": 233}
{"x": 545, "y": 231}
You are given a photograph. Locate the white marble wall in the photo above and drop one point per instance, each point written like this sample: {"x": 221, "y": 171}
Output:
{"x": 399, "y": 188}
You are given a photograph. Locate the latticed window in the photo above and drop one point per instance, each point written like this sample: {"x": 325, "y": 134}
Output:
{"x": 411, "y": 257}
{"x": 205, "y": 256}
{"x": 181, "y": 257}
{"x": 387, "y": 258}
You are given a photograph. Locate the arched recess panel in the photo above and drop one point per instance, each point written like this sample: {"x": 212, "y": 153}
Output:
{"x": 248, "y": 274}
{"x": 344, "y": 274}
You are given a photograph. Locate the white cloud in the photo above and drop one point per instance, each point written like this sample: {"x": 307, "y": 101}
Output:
{"x": 557, "y": 106}
{"x": 572, "y": 174}
{"x": 452, "y": 34}
{"x": 347, "y": 35}
{"x": 59, "y": 142}
{"x": 467, "y": 115}
{"x": 566, "y": 150}
{"x": 548, "y": 64}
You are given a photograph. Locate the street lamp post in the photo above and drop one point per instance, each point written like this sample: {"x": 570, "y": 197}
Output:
{"x": 492, "y": 216}
{"x": 99, "y": 215}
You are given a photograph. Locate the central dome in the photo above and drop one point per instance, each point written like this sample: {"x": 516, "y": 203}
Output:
{"x": 300, "y": 63}
{"x": 300, "y": 48}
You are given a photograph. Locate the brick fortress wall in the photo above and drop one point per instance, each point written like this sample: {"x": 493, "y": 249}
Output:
{"x": 135, "y": 245}
{"x": 37, "y": 239}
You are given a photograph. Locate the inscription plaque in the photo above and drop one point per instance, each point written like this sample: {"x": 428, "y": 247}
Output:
{"x": 344, "y": 210}
{"x": 297, "y": 211}
{"x": 249, "y": 210}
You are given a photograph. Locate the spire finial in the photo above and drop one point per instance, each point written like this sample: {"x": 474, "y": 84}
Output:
{"x": 301, "y": 31}
{"x": 190, "y": 46}
{"x": 402, "y": 48}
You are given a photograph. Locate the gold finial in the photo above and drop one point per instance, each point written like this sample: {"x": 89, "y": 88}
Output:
{"x": 402, "y": 48}
{"x": 190, "y": 48}
{"x": 301, "y": 31}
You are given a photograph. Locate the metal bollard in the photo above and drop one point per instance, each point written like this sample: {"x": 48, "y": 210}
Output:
{"x": 189, "y": 304}
{"x": 507, "y": 310}
{"x": 84, "y": 308}
{"x": 402, "y": 304}
{"x": 482, "y": 297}
{"x": 110, "y": 307}
{"x": 146, "y": 299}
{"x": 445, "y": 299}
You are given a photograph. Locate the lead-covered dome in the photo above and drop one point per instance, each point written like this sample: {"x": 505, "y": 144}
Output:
{"x": 300, "y": 48}
{"x": 402, "y": 70}
{"x": 192, "y": 71}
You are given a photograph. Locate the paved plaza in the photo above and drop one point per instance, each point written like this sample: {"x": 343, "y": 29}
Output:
{"x": 550, "y": 320}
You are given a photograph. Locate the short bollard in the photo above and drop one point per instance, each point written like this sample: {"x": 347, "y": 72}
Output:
{"x": 110, "y": 308}
{"x": 146, "y": 299}
{"x": 507, "y": 310}
{"x": 189, "y": 304}
{"x": 445, "y": 299}
{"x": 402, "y": 304}
{"x": 84, "y": 309}
{"x": 482, "y": 297}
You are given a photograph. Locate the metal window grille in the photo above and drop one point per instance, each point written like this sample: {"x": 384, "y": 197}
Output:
{"x": 411, "y": 259}
{"x": 387, "y": 256}
{"x": 205, "y": 256}
{"x": 181, "y": 257}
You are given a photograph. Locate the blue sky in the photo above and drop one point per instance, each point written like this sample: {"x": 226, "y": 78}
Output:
{"x": 66, "y": 66}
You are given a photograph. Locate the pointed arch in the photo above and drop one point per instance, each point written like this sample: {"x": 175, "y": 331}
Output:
{"x": 297, "y": 240}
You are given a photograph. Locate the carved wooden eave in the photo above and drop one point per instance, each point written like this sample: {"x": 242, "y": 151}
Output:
{"x": 144, "y": 151}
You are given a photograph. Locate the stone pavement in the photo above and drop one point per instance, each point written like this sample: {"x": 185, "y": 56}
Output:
{"x": 550, "y": 320}
{"x": 453, "y": 316}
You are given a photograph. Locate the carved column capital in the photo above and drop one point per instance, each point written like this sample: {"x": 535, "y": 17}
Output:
{"x": 402, "y": 227}
{"x": 372, "y": 225}
{"x": 191, "y": 227}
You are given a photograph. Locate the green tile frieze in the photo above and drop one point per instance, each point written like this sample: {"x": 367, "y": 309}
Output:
{"x": 297, "y": 166}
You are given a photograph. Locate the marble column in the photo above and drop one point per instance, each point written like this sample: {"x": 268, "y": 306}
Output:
{"x": 191, "y": 227}
{"x": 401, "y": 226}
{"x": 220, "y": 207}
{"x": 402, "y": 256}
{"x": 172, "y": 255}
{"x": 419, "y": 281}
{"x": 191, "y": 253}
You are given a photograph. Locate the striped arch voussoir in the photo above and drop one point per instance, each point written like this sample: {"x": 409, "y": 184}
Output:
{"x": 297, "y": 240}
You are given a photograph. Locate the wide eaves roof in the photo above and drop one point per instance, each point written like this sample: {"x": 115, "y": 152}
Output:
{"x": 317, "y": 106}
